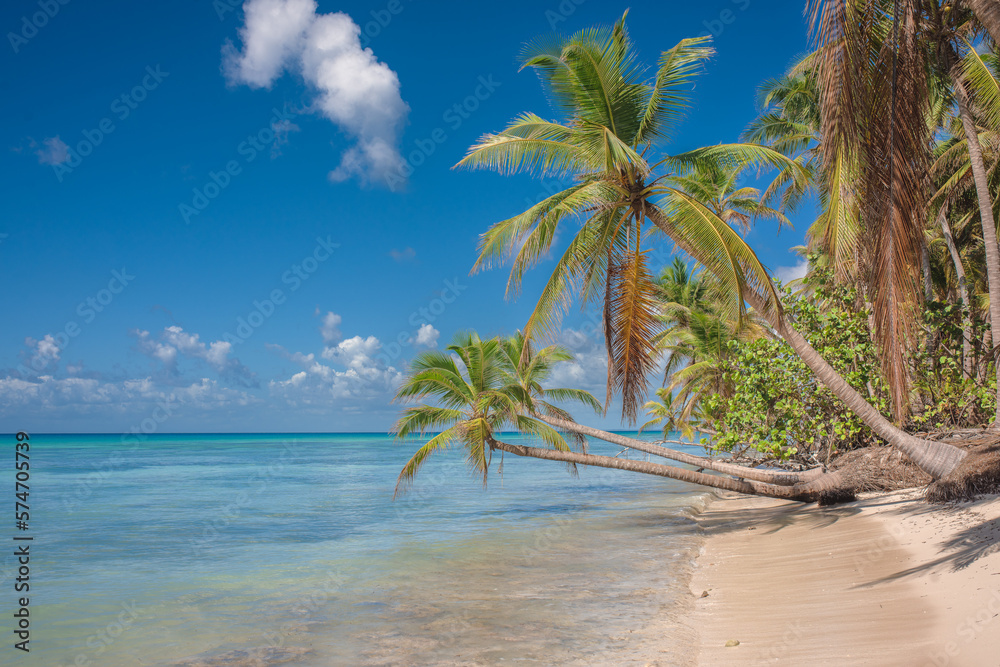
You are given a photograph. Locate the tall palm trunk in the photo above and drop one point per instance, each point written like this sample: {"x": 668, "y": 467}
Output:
{"x": 805, "y": 492}
{"x": 986, "y": 217}
{"x": 937, "y": 459}
{"x": 779, "y": 477}
{"x": 925, "y": 259}
{"x": 963, "y": 291}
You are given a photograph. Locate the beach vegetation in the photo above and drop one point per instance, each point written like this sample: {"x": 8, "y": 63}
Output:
{"x": 891, "y": 122}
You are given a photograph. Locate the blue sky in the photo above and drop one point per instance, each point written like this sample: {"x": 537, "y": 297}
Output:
{"x": 206, "y": 228}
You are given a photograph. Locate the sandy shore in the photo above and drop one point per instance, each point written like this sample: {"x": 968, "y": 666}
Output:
{"x": 887, "y": 580}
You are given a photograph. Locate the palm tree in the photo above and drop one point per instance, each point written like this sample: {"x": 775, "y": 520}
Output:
{"x": 477, "y": 396}
{"x": 481, "y": 392}
{"x": 714, "y": 184}
{"x": 878, "y": 64}
{"x": 953, "y": 170}
{"x": 695, "y": 338}
{"x": 614, "y": 121}
{"x": 790, "y": 122}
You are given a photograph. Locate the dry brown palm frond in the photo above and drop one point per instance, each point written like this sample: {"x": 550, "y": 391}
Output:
{"x": 631, "y": 324}
{"x": 871, "y": 71}
{"x": 837, "y": 29}
{"x": 895, "y": 179}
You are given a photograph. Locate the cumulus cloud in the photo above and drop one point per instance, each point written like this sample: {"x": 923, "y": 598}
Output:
{"x": 787, "y": 274}
{"x": 427, "y": 336}
{"x": 359, "y": 94}
{"x": 329, "y": 328}
{"x": 174, "y": 343}
{"x": 54, "y": 151}
{"x": 42, "y": 352}
{"x": 589, "y": 368}
{"x": 356, "y": 352}
{"x": 363, "y": 376}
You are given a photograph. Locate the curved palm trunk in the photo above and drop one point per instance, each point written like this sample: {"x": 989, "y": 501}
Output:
{"x": 805, "y": 492}
{"x": 937, "y": 459}
{"x": 963, "y": 291}
{"x": 986, "y": 217}
{"x": 779, "y": 477}
{"x": 988, "y": 13}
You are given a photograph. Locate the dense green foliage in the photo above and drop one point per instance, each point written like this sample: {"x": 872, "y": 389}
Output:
{"x": 948, "y": 396}
{"x": 776, "y": 405}
{"x": 768, "y": 401}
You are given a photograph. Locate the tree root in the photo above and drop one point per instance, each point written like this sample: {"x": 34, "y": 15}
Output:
{"x": 978, "y": 473}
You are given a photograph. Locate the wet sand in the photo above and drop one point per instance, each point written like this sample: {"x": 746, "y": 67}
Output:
{"x": 886, "y": 580}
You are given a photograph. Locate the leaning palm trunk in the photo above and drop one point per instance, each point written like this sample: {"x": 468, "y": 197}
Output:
{"x": 805, "y": 492}
{"x": 963, "y": 292}
{"x": 986, "y": 217}
{"x": 988, "y": 13}
{"x": 778, "y": 477}
{"x": 937, "y": 459}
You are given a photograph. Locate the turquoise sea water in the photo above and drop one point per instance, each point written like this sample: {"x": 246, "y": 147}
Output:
{"x": 268, "y": 549}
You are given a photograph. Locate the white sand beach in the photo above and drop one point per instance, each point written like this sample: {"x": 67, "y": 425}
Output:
{"x": 886, "y": 580}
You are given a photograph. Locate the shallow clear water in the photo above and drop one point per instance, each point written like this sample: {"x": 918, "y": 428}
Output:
{"x": 269, "y": 549}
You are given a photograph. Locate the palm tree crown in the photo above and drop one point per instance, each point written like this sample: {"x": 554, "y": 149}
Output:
{"x": 614, "y": 121}
{"x": 481, "y": 387}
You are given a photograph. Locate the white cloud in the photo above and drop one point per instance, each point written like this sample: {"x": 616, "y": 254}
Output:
{"x": 589, "y": 368}
{"x": 81, "y": 395}
{"x": 787, "y": 274}
{"x": 174, "y": 342}
{"x": 354, "y": 90}
{"x": 272, "y": 34}
{"x": 55, "y": 151}
{"x": 356, "y": 352}
{"x": 362, "y": 377}
{"x": 43, "y": 352}
{"x": 427, "y": 336}
{"x": 329, "y": 328}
